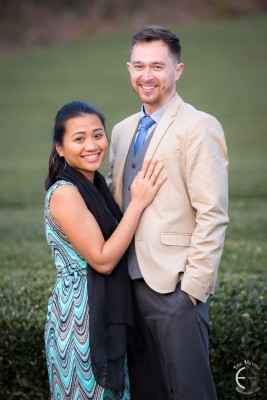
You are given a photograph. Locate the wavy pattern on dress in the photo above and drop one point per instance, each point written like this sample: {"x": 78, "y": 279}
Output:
{"x": 67, "y": 339}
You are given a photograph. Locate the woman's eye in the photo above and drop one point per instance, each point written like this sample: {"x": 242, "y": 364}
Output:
{"x": 98, "y": 136}
{"x": 79, "y": 139}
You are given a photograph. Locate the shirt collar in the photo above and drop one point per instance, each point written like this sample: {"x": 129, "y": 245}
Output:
{"x": 156, "y": 116}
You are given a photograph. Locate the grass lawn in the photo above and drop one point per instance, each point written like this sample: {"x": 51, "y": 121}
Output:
{"x": 225, "y": 75}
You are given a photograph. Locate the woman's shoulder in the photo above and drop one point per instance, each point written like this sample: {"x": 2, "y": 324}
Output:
{"x": 61, "y": 183}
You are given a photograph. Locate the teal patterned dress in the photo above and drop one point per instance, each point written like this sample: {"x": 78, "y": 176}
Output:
{"x": 67, "y": 336}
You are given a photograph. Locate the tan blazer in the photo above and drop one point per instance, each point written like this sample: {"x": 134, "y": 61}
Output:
{"x": 181, "y": 234}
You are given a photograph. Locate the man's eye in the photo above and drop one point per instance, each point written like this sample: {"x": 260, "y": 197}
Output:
{"x": 138, "y": 67}
{"x": 157, "y": 67}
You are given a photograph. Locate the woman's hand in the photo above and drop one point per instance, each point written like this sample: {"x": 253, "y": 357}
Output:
{"x": 147, "y": 183}
{"x": 80, "y": 226}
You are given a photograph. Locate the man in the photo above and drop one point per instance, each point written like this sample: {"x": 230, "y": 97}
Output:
{"x": 174, "y": 258}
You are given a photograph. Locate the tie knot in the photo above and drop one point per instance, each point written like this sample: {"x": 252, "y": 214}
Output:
{"x": 146, "y": 122}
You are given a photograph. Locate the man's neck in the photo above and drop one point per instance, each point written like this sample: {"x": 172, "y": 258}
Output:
{"x": 157, "y": 110}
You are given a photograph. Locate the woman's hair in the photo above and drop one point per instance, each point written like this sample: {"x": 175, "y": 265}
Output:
{"x": 68, "y": 111}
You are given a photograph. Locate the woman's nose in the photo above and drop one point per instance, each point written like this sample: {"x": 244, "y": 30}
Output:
{"x": 90, "y": 144}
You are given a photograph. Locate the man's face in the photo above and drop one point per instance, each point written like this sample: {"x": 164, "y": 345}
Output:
{"x": 154, "y": 72}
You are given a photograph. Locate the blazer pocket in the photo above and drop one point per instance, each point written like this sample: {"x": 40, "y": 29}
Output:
{"x": 166, "y": 156}
{"x": 174, "y": 239}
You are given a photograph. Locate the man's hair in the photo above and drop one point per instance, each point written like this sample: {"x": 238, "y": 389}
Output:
{"x": 150, "y": 33}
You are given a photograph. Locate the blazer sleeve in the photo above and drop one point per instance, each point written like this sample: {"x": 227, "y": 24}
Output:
{"x": 206, "y": 164}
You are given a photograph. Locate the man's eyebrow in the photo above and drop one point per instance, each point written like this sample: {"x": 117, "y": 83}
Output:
{"x": 153, "y": 63}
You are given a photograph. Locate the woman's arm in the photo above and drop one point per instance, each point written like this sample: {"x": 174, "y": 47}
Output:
{"x": 79, "y": 225}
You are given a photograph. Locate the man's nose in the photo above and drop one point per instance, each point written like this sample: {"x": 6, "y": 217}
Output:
{"x": 147, "y": 74}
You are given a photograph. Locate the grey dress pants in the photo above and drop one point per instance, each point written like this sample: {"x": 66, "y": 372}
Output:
{"x": 175, "y": 356}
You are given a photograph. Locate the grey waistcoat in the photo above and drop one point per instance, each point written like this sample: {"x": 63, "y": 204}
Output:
{"x": 132, "y": 167}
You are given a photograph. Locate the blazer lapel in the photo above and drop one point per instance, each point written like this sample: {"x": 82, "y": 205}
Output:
{"x": 125, "y": 143}
{"x": 165, "y": 122}
{"x": 126, "y": 140}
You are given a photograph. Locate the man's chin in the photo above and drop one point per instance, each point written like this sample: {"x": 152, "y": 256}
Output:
{"x": 147, "y": 98}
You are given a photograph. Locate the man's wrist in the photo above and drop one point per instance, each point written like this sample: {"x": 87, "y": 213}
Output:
{"x": 193, "y": 299}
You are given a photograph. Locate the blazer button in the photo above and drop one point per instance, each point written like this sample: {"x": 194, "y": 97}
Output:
{"x": 129, "y": 187}
{"x": 133, "y": 165}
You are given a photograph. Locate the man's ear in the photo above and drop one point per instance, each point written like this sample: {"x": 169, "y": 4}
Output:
{"x": 179, "y": 71}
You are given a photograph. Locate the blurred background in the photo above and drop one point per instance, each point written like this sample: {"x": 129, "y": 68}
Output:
{"x": 58, "y": 51}
{"x": 48, "y": 21}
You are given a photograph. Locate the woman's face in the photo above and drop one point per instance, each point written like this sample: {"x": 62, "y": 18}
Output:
{"x": 85, "y": 144}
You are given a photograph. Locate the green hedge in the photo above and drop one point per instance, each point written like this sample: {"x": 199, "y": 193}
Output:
{"x": 238, "y": 319}
{"x": 238, "y": 333}
{"x": 23, "y": 305}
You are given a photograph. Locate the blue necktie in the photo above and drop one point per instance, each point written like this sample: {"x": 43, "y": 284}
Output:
{"x": 146, "y": 123}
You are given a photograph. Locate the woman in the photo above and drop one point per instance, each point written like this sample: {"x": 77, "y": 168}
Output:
{"x": 89, "y": 312}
